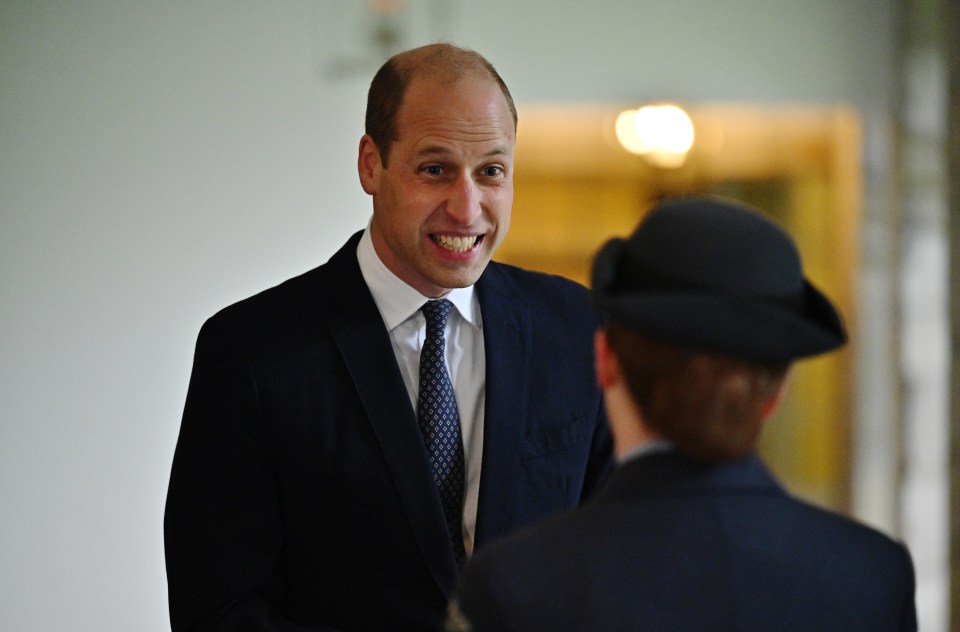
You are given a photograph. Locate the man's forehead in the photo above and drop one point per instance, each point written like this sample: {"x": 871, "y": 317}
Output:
{"x": 430, "y": 94}
{"x": 500, "y": 148}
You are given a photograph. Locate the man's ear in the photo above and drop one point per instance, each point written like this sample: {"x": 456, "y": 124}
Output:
{"x": 369, "y": 165}
{"x": 774, "y": 402}
{"x": 607, "y": 366}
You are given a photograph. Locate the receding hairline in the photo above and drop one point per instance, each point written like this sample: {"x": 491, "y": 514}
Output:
{"x": 442, "y": 64}
{"x": 446, "y": 63}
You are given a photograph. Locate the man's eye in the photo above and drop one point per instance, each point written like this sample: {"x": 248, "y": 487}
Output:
{"x": 434, "y": 170}
{"x": 492, "y": 172}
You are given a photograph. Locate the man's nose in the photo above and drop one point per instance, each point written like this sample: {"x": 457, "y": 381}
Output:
{"x": 464, "y": 202}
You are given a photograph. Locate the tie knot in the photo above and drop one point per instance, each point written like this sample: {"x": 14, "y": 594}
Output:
{"x": 436, "y": 313}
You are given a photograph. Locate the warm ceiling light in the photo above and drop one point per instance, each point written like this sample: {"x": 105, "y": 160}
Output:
{"x": 662, "y": 133}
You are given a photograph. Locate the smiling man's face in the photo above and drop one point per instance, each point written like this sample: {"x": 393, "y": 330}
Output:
{"x": 443, "y": 196}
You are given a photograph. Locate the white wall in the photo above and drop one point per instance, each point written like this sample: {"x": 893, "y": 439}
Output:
{"x": 159, "y": 160}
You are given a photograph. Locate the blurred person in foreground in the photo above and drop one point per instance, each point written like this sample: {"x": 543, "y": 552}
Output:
{"x": 705, "y": 309}
{"x": 352, "y": 435}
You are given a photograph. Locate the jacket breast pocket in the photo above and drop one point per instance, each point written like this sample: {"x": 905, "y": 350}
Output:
{"x": 552, "y": 465}
{"x": 551, "y": 439}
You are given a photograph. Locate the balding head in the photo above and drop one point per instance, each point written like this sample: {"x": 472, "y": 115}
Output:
{"x": 441, "y": 63}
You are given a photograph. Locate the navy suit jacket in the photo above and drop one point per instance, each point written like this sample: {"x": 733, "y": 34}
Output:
{"x": 300, "y": 496}
{"x": 671, "y": 545}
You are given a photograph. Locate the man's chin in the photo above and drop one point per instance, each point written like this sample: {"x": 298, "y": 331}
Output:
{"x": 459, "y": 278}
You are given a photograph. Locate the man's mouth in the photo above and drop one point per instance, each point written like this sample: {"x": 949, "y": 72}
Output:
{"x": 456, "y": 243}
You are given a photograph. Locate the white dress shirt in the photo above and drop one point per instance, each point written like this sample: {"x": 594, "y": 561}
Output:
{"x": 399, "y": 306}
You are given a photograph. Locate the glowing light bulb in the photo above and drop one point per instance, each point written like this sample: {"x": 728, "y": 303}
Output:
{"x": 662, "y": 133}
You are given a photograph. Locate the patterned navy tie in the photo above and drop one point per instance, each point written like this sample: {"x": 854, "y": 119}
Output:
{"x": 440, "y": 423}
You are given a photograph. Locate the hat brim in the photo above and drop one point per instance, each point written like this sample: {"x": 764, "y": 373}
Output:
{"x": 753, "y": 330}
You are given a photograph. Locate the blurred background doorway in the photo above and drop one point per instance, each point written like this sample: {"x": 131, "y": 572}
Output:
{"x": 577, "y": 185}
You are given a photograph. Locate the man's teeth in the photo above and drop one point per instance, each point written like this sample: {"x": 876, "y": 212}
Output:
{"x": 457, "y": 244}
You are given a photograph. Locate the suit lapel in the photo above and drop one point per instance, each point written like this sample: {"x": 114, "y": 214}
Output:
{"x": 365, "y": 346}
{"x": 507, "y": 347}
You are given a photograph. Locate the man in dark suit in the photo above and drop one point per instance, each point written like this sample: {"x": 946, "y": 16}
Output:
{"x": 705, "y": 309}
{"x": 325, "y": 477}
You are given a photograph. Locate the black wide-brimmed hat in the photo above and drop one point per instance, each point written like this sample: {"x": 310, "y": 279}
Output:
{"x": 713, "y": 275}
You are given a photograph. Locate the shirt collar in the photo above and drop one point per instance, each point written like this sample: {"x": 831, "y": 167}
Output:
{"x": 648, "y": 447}
{"x": 396, "y": 300}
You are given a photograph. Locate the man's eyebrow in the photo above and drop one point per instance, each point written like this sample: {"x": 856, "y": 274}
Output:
{"x": 497, "y": 151}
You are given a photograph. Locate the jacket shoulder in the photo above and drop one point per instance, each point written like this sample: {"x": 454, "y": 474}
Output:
{"x": 301, "y": 294}
{"x": 551, "y": 290}
{"x": 280, "y": 301}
